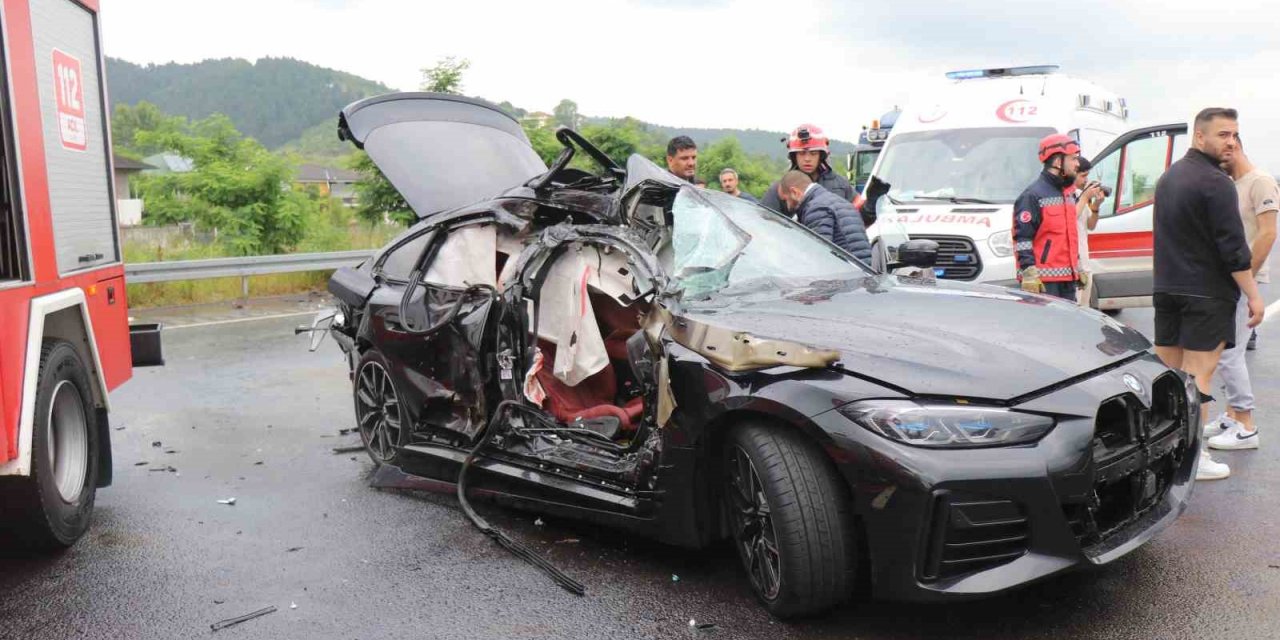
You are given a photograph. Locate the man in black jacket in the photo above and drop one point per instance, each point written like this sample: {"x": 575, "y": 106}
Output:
{"x": 808, "y": 148}
{"x": 825, "y": 213}
{"x": 1201, "y": 261}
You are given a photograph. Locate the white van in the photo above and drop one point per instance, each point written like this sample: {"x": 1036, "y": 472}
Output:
{"x": 959, "y": 157}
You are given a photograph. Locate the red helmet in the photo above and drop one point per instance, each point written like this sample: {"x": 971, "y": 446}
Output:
{"x": 807, "y": 136}
{"x": 1056, "y": 143}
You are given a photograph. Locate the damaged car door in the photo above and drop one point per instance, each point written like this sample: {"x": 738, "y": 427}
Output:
{"x": 430, "y": 321}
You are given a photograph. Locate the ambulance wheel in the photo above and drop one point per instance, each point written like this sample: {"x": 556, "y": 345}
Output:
{"x": 51, "y": 508}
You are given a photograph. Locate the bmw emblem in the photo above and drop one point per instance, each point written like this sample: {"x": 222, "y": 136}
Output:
{"x": 1132, "y": 382}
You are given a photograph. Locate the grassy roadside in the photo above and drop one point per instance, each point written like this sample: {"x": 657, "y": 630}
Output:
{"x": 340, "y": 235}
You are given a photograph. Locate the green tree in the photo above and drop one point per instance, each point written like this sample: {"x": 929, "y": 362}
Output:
{"x": 755, "y": 171}
{"x": 236, "y": 187}
{"x": 378, "y": 199}
{"x": 543, "y": 140}
{"x": 620, "y": 138}
{"x": 446, "y": 76}
{"x": 566, "y": 114}
{"x": 127, "y": 121}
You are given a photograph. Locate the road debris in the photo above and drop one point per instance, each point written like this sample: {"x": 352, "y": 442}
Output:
{"x": 293, "y": 605}
{"x": 350, "y": 449}
{"x": 164, "y": 468}
{"x": 538, "y": 522}
{"x": 568, "y": 541}
{"x": 141, "y": 464}
{"x": 293, "y": 549}
{"x": 231, "y": 622}
{"x": 157, "y": 444}
{"x": 228, "y": 501}
{"x": 258, "y": 463}
{"x": 676, "y": 578}
{"x": 343, "y": 432}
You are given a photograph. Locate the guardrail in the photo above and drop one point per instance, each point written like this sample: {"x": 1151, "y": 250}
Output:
{"x": 244, "y": 267}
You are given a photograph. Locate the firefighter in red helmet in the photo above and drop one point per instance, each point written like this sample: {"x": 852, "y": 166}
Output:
{"x": 1045, "y": 235}
{"x": 808, "y": 148}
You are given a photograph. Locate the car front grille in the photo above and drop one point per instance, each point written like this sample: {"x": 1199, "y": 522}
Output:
{"x": 958, "y": 257}
{"x": 971, "y": 533}
{"x": 1136, "y": 452}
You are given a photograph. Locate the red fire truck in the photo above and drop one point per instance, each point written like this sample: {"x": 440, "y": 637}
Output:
{"x": 64, "y": 325}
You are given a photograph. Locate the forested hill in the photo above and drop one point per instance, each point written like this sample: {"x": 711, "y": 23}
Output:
{"x": 287, "y": 103}
{"x": 273, "y": 100}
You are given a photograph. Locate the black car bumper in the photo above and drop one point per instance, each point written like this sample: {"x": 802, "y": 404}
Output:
{"x": 943, "y": 524}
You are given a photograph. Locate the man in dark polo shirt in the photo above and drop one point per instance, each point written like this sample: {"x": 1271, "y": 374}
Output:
{"x": 1202, "y": 261}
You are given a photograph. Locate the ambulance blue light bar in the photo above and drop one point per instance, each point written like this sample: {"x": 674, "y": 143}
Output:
{"x": 970, "y": 74}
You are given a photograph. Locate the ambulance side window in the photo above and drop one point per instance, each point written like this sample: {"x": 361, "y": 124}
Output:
{"x": 1142, "y": 165}
{"x": 1107, "y": 172}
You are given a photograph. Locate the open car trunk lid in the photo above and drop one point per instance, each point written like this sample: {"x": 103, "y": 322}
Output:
{"x": 441, "y": 151}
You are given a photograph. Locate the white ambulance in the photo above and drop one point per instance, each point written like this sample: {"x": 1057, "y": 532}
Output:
{"x": 960, "y": 155}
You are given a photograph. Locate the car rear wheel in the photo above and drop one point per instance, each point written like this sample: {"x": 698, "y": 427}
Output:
{"x": 379, "y": 413}
{"x": 790, "y": 519}
{"x": 51, "y": 508}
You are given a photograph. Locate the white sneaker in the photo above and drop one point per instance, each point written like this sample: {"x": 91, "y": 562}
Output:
{"x": 1210, "y": 469}
{"x": 1217, "y": 425}
{"x": 1235, "y": 437}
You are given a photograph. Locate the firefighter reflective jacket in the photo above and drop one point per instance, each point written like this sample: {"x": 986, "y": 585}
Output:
{"x": 1044, "y": 229}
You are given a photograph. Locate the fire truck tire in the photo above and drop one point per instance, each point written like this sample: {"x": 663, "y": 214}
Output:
{"x": 51, "y": 508}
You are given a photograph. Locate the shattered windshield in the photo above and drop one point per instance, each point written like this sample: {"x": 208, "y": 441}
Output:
{"x": 724, "y": 244}
{"x": 992, "y": 164}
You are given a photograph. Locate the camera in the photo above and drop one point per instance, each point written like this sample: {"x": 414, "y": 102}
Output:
{"x": 1106, "y": 191}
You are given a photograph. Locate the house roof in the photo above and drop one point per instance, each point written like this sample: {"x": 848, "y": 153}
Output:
{"x": 168, "y": 163}
{"x": 321, "y": 173}
{"x": 122, "y": 163}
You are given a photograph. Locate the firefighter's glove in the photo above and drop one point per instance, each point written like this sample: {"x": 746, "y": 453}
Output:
{"x": 1082, "y": 279}
{"x": 1031, "y": 280}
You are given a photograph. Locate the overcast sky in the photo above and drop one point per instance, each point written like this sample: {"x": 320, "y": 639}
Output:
{"x": 743, "y": 63}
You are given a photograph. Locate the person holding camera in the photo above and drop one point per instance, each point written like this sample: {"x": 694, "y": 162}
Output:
{"x": 1090, "y": 196}
{"x": 1045, "y": 235}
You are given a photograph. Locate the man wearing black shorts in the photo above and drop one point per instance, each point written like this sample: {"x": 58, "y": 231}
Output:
{"x": 1201, "y": 261}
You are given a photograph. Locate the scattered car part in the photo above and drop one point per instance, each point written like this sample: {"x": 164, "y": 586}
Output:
{"x": 517, "y": 549}
{"x": 231, "y": 622}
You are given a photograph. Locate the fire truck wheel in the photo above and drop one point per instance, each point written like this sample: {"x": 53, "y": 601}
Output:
{"x": 53, "y": 505}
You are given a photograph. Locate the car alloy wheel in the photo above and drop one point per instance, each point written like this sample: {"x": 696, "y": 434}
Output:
{"x": 377, "y": 412}
{"x": 753, "y": 525}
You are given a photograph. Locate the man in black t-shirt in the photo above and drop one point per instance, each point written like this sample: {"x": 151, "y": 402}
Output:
{"x": 1201, "y": 261}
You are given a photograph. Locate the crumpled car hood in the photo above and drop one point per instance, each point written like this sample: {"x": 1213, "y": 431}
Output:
{"x": 944, "y": 339}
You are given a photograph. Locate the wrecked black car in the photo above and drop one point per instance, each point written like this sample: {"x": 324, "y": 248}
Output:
{"x": 613, "y": 344}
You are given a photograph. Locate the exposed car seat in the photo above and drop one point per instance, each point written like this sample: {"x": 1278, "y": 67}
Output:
{"x": 617, "y": 324}
{"x": 591, "y": 398}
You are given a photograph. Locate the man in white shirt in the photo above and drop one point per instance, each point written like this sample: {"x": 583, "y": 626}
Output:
{"x": 1088, "y": 200}
{"x": 1259, "y": 202}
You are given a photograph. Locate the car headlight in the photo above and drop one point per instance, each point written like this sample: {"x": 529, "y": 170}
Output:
{"x": 1001, "y": 243}
{"x": 947, "y": 426}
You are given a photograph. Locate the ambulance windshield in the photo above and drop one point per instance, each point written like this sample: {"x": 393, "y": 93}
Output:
{"x": 991, "y": 164}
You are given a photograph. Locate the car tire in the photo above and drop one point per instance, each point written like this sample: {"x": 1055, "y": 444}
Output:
{"x": 380, "y": 414}
{"x": 52, "y": 507}
{"x": 801, "y": 500}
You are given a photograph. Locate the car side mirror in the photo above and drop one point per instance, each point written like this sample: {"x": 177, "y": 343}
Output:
{"x": 918, "y": 253}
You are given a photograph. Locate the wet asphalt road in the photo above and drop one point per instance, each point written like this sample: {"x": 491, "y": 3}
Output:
{"x": 243, "y": 410}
